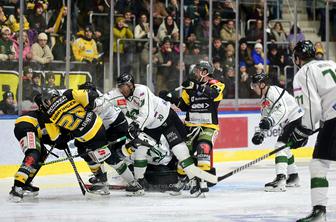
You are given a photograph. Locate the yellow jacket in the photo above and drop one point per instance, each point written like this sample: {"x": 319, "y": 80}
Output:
{"x": 84, "y": 49}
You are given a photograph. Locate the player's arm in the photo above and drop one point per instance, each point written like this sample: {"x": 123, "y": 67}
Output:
{"x": 184, "y": 101}
{"x": 214, "y": 90}
{"x": 84, "y": 97}
{"x": 279, "y": 110}
{"x": 146, "y": 108}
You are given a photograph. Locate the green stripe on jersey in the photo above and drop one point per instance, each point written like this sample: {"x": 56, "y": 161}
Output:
{"x": 120, "y": 170}
{"x": 291, "y": 160}
{"x": 140, "y": 163}
{"x": 319, "y": 182}
{"x": 281, "y": 159}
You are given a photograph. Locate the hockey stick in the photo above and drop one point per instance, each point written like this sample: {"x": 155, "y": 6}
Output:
{"x": 255, "y": 161}
{"x": 79, "y": 179}
{"x": 50, "y": 152}
{"x": 82, "y": 155}
{"x": 110, "y": 186}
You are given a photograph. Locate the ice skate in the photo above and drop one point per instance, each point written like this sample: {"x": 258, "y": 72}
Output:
{"x": 198, "y": 187}
{"x": 277, "y": 185}
{"x": 99, "y": 185}
{"x": 317, "y": 215}
{"x": 30, "y": 191}
{"x": 176, "y": 189}
{"x": 16, "y": 194}
{"x": 293, "y": 180}
{"x": 136, "y": 188}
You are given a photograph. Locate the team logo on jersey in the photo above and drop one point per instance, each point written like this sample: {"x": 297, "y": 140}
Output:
{"x": 265, "y": 104}
{"x": 121, "y": 102}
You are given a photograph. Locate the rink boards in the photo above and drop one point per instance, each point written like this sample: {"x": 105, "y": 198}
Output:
{"x": 233, "y": 144}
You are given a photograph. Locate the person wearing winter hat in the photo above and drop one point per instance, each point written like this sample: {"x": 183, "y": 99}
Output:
{"x": 8, "y": 105}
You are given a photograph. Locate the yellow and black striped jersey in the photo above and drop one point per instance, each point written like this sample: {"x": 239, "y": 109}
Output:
{"x": 201, "y": 105}
{"x": 68, "y": 112}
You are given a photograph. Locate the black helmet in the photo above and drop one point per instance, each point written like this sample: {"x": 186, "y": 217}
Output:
{"x": 259, "y": 78}
{"x": 205, "y": 65}
{"x": 88, "y": 86}
{"x": 125, "y": 78}
{"x": 304, "y": 50}
{"x": 44, "y": 100}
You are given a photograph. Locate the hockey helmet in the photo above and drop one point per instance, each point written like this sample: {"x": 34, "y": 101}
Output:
{"x": 205, "y": 65}
{"x": 125, "y": 78}
{"x": 44, "y": 100}
{"x": 260, "y": 78}
{"x": 304, "y": 50}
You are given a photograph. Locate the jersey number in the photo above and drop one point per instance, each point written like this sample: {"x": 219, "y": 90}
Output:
{"x": 72, "y": 120}
{"x": 331, "y": 72}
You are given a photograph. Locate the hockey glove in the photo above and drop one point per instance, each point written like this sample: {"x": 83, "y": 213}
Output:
{"x": 257, "y": 138}
{"x": 265, "y": 123}
{"x": 299, "y": 137}
{"x": 133, "y": 130}
{"x": 188, "y": 84}
{"x": 168, "y": 96}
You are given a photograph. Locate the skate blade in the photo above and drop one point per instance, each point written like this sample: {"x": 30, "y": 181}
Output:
{"x": 15, "y": 199}
{"x": 174, "y": 193}
{"x": 293, "y": 185}
{"x": 136, "y": 193}
{"x": 275, "y": 189}
{"x": 30, "y": 194}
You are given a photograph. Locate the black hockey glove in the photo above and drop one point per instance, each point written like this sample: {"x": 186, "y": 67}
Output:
{"x": 257, "y": 138}
{"x": 133, "y": 130}
{"x": 168, "y": 96}
{"x": 188, "y": 84}
{"x": 299, "y": 137}
{"x": 265, "y": 123}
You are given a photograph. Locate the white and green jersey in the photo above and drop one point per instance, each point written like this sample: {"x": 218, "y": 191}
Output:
{"x": 315, "y": 89}
{"x": 148, "y": 110}
{"x": 279, "y": 106}
{"x": 117, "y": 99}
{"x": 106, "y": 110}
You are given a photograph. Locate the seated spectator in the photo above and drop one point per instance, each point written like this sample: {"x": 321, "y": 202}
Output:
{"x": 141, "y": 30}
{"x": 245, "y": 90}
{"x": 202, "y": 31}
{"x": 225, "y": 8}
{"x": 36, "y": 19}
{"x": 279, "y": 34}
{"x": 13, "y": 21}
{"x": 8, "y": 105}
{"x": 258, "y": 54}
{"x": 188, "y": 29}
{"x": 216, "y": 25}
{"x": 57, "y": 26}
{"x": 36, "y": 86}
{"x": 229, "y": 60}
{"x": 218, "y": 69}
{"x": 228, "y": 32}
{"x": 299, "y": 35}
{"x": 229, "y": 81}
{"x": 245, "y": 53}
{"x": 3, "y": 17}
{"x": 41, "y": 52}
{"x": 50, "y": 82}
{"x": 256, "y": 33}
{"x": 319, "y": 51}
{"x": 195, "y": 54}
{"x": 84, "y": 48}
{"x": 31, "y": 5}
{"x": 27, "y": 83}
{"x": 26, "y": 53}
{"x": 218, "y": 49}
{"x": 7, "y": 50}
{"x": 168, "y": 28}
{"x": 129, "y": 17}
{"x": 198, "y": 10}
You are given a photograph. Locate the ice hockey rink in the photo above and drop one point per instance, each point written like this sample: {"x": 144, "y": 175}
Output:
{"x": 240, "y": 198}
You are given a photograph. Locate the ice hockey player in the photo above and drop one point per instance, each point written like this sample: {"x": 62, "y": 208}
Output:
{"x": 30, "y": 131}
{"x": 154, "y": 116}
{"x": 200, "y": 98}
{"x": 116, "y": 126}
{"x": 314, "y": 88}
{"x": 278, "y": 108}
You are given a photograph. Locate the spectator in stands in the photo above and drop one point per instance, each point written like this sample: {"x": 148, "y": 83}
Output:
{"x": 245, "y": 53}
{"x": 31, "y": 5}
{"x": 299, "y": 35}
{"x": 173, "y": 9}
{"x": 258, "y": 12}
{"x": 57, "y": 26}
{"x": 228, "y": 32}
{"x": 279, "y": 34}
{"x": 168, "y": 28}
{"x": 276, "y": 57}
{"x": 13, "y": 21}
{"x": 256, "y": 33}
{"x": 218, "y": 69}
{"x": 196, "y": 54}
{"x": 27, "y": 83}
{"x": 202, "y": 31}
{"x": 216, "y": 25}
{"x": 188, "y": 29}
{"x": 50, "y": 82}
{"x": 198, "y": 10}
{"x": 3, "y": 17}
{"x": 165, "y": 60}
{"x": 8, "y": 105}
{"x": 229, "y": 60}
{"x": 41, "y": 51}
{"x": 141, "y": 30}
{"x": 225, "y": 8}
{"x": 7, "y": 50}
{"x": 36, "y": 20}
{"x": 129, "y": 18}
{"x": 258, "y": 54}
{"x": 121, "y": 31}
{"x": 218, "y": 49}
{"x": 36, "y": 86}
{"x": 229, "y": 81}
{"x": 26, "y": 53}
{"x": 84, "y": 48}
{"x": 319, "y": 51}
{"x": 245, "y": 90}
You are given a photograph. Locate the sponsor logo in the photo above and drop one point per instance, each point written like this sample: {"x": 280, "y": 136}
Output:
{"x": 172, "y": 136}
{"x": 101, "y": 152}
{"x": 121, "y": 102}
{"x": 265, "y": 104}
{"x": 200, "y": 106}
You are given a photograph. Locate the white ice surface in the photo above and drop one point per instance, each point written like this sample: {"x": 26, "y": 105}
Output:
{"x": 239, "y": 198}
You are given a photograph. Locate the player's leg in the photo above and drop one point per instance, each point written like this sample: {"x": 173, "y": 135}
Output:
{"x": 292, "y": 170}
